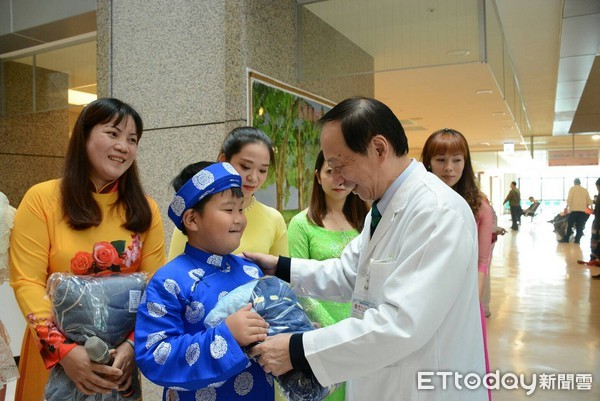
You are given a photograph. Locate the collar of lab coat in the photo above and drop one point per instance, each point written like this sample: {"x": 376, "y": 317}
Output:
{"x": 397, "y": 204}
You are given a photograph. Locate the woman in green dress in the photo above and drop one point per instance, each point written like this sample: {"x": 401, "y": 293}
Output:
{"x": 334, "y": 217}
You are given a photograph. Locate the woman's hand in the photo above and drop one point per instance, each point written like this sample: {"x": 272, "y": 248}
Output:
{"x": 267, "y": 263}
{"x": 89, "y": 377}
{"x": 124, "y": 359}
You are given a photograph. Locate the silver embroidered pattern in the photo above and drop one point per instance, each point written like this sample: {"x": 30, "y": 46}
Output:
{"x": 252, "y": 271}
{"x": 194, "y": 312}
{"x": 192, "y": 353}
{"x": 217, "y": 384}
{"x": 143, "y": 298}
{"x": 230, "y": 169}
{"x": 176, "y": 388}
{"x": 172, "y": 287}
{"x": 203, "y": 179}
{"x": 222, "y": 294}
{"x": 206, "y": 394}
{"x": 196, "y": 274}
{"x": 218, "y": 348}
{"x": 226, "y": 268}
{"x": 156, "y": 310}
{"x": 153, "y": 338}
{"x": 215, "y": 260}
{"x": 178, "y": 205}
{"x": 270, "y": 380}
{"x": 161, "y": 353}
{"x": 243, "y": 383}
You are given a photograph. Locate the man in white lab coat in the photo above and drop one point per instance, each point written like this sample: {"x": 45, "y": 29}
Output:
{"x": 412, "y": 281}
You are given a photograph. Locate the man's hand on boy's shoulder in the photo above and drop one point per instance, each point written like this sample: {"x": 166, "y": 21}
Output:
{"x": 267, "y": 263}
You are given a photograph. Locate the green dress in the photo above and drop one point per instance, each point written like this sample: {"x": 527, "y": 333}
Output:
{"x": 309, "y": 241}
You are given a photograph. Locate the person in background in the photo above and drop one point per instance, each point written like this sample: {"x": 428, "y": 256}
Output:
{"x": 67, "y": 225}
{"x": 250, "y": 152}
{"x": 595, "y": 239}
{"x": 8, "y": 368}
{"x": 530, "y": 211}
{"x": 411, "y": 273}
{"x": 334, "y": 217}
{"x": 174, "y": 347}
{"x": 446, "y": 154}
{"x": 514, "y": 201}
{"x": 577, "y": 202}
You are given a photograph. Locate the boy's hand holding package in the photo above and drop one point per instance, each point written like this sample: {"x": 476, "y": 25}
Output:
{"x": 247, "y": 326}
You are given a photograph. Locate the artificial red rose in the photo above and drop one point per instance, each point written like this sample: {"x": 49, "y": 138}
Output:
{"x": 105, "y": 255}
{"x": 81, "y": 262}
{"x": 42, "y": 331}
{"x": 55, "y": 338}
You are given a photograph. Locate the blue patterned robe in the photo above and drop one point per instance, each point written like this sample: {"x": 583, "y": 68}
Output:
{"x": 173, "y": 347}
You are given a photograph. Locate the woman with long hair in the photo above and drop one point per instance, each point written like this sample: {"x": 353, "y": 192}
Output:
{"x": 446, "y": 154}
{"x": 250, "y": 152}
{"x": 333, "y": 218}
{"x": 71, "y": 225}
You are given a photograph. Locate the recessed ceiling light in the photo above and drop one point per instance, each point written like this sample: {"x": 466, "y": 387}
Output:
{"x": 459, "y": 52}
{"x": 498, "y": 113}
{"x": 596, "y": 137}
{"x": 484, "y": 143}
{"x": 484, "y": 91}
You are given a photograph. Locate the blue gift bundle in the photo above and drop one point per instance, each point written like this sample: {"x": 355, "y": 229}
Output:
{"x": 274, "y": 300}
{"x": 93, "y": 306}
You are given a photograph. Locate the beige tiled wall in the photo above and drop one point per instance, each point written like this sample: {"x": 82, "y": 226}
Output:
{"x": 32, "y": 144}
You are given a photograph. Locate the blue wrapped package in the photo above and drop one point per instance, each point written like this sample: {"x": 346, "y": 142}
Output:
{"x": 275, "y": 301}
{"x": 93, "y": 306}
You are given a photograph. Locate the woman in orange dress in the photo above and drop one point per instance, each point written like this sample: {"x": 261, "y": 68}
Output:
{"x": 94, "y": 220}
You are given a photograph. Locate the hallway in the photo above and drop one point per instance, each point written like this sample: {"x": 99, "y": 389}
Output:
{"x": 545, "y": 311}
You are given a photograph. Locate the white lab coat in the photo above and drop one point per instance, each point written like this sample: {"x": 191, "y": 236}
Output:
{"x": 421, "y": 266}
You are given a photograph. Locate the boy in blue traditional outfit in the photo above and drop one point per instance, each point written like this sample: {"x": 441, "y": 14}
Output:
{"x": 173, "y": 347}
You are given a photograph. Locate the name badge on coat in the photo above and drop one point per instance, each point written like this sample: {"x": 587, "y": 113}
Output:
{"x": 369, "y": 285}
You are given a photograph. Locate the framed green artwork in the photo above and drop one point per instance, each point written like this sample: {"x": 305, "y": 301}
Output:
{"x": 289, "y": 116}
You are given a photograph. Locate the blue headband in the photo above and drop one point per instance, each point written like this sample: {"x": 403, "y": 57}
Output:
{"x": 213, "y": 179}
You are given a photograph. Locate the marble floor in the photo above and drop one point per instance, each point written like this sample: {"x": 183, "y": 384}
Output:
{"x": 545, "y": 313}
